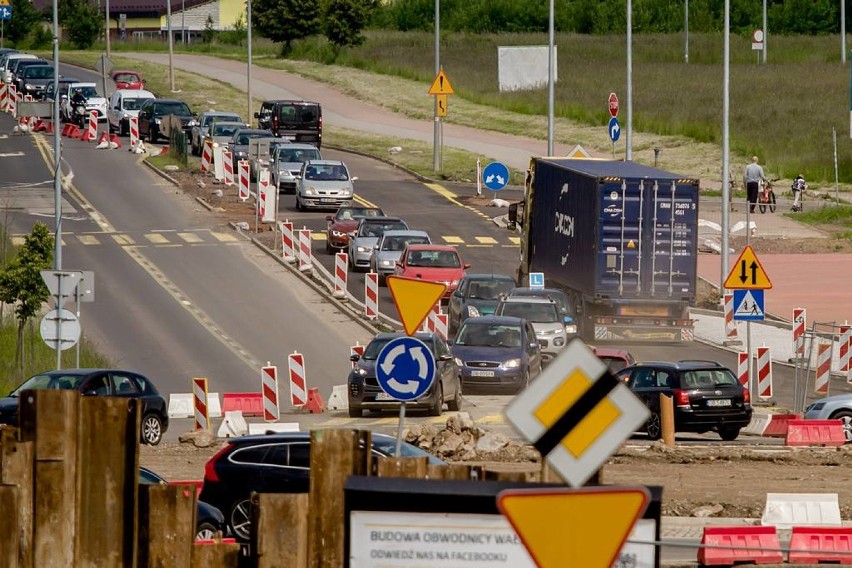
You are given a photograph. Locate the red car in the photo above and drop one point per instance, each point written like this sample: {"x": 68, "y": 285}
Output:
{"x": 344, "y": 222}
{"x": 435, "y": 263}
{"x": 615, "y": 359}
{"x": 127, "y": 80}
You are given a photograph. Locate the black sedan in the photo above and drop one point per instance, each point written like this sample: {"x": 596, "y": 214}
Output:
{"x": 98, "y": 382}
{"x": 208, "y": 519}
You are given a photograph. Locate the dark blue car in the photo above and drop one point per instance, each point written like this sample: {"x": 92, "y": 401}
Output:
{"x": 477, "y": 295}
{"x": 496, "y": 354}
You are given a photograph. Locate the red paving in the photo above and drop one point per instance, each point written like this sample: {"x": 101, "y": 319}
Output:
{"x": 818, "y": 282}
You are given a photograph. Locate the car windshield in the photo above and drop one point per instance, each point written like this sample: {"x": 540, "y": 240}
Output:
{"x": 296, "y": 114}
{"x": 349, "y": 213}
{"x": 557, "y": 296}
{"x": 175, "y": 108}
{"x": 534, "y": 312}
{"x": 208, "y": 118}
{"x": 244, "y": 138}
{"x": 126, "y": 78}
{"x": 387, "y": 447}
{"x": 489, "y": 335}
{"x": 378, "y": 229}
{"x": 398, "y": 243}
{"x": 375, "y": 347}
{"x": 488, "y": 289}
{"x": 88, "y": 92}
{"x": 709, "y": 378}
{"x": 53, "y": 381}
{"x": 615, "y": 364}
{"x": 225, "y": 129}
{"x": 39, "y": 72}
{"x": 292, "y": 155}
{"x": 132, "y": 104}
{"x": 326, "y": 172}
{"x": 434, "y": 259}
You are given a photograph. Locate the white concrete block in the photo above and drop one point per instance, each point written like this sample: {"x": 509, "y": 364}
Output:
{"x": 758, "y": 424}
{"x": 272, "y": 427}
{"x": 233, "y": 425}
{"x": 338, "y": 400}
{"x": 214, "y": 405}
{"x": 181, "y": 405}
{"x": 786, "y": 510}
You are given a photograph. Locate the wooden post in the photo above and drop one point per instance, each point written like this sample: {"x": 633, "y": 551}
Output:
{"x": 10, "y": 526}
{"x": 166, "y": 525}
{"x": 16, "y": 468}
{"x": 281, "y": 530}
{"x": 504, "y": 475}
{"x": 667, "y": 425}
{"x": 108, "y": 471}
{"x": 215, "y": 555}
{"x": 335, "y": 455}
{"x": 49, "y": 418}
{"x": 413, "y": 468}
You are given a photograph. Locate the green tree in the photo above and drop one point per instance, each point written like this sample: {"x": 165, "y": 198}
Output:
{"x": 344, "y": 20}
{"x": 24, "y": 20}
{"x": 209, "y": 33}
{"x": 82, "y": 21}
{"x": 21, "y": 283}
{"x": 284, "y": 21}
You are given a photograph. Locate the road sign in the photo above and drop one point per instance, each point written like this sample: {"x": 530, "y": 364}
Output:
{"x": 536, "y": 279}
{"x": 757, "y": 39}
{"x": 5, "y": 12}
{"x": 614, "y": 129}
{"x": 61, "y": 336}
{"x": 64, "y": 281}
{"x": 405, "y": 368}
{"x": 748, "y": 273}
{"x": 441, "y": 105}
{"x": 576, "y": 413}
{"x": 613, "y": 105}
{"x": 441, "y": 85}
{"x": 578, "y": 152}
{"x": 5, "y": 3}
{"x": 588, "y": 525}
{"x": 414, "y": 299}
{"x": 495, "y": 176}
{"x": 748, "y": 305}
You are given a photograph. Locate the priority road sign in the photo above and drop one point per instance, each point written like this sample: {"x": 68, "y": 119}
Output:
{"x": 576, "y": 413}
{"x": 441, "y": 85}
{"x": 748, "y": 305}
{"x": 613, "y": 105}
{"x": 747, "y": 273}
{"x": 405, "y": 368}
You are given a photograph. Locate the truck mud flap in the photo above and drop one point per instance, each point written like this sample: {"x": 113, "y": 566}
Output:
{"x": 644, "y": 334}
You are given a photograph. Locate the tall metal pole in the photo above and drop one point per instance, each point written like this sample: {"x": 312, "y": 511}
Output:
{"x": 171, "y": 46}
{"x": 107, "y": 32}
{"x": 551, "y": 79}
{"x": 629, "y": 137}
{"x": 765, "y": 32}
{"x": 183, "y": 22}
{"x": 686, "y": 31}
{"x": 436, "y": 139}
{"x": 843, "y": 31}
{"x": 57, "y": 170}
{"x": 726, "y": 186}
{"x": 248, "y": 71}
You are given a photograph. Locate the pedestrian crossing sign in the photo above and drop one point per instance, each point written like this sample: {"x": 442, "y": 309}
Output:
{"x": 748, "y": 305}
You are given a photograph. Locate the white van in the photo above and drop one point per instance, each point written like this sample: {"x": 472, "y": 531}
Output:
{"x": 5, "y": 74}
{"x": 123, "y": 105}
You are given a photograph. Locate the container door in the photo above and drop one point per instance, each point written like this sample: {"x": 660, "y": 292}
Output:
{"x": 622, "y": 219}
{"x": 672, "y": 239}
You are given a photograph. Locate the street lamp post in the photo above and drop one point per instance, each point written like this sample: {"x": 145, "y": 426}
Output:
{"x": 726, "y": 185}
{"x": 843, "y": 31}
{"x": 686, "y": 31}
{"x": 248, "y": 71}
{"x": 106, "y": 11}
{"x": 171, "y": 46}
{"x": 551, "y": 71}
{"x": 765, "y": 32}
{"x": 629, "y": 137}
{"x": 183, "y": 22}
{"x": 436, "y": 134}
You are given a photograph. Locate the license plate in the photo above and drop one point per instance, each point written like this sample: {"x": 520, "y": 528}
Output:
{"x": 383, "y": 396}
{"x": 328, "y": 201}
{"x": 482, "y": 373}
{"x": 719, "y": 402}
{"x": 290, "y": 136}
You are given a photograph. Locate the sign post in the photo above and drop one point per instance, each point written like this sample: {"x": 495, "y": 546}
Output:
{"x": 440, "y": 88}
{"x": 613, "y": 128}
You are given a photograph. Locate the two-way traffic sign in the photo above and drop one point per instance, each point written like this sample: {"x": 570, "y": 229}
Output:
{"x": 747, "y": 273}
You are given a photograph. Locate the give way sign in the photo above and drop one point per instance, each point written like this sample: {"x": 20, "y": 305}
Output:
{"x": 613, "y": 105}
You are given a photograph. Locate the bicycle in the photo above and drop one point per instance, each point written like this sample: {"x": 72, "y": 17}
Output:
{"x": 766, "y": 197}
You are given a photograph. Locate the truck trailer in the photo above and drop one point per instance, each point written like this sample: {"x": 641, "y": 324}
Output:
{"x": 620, "y": 238}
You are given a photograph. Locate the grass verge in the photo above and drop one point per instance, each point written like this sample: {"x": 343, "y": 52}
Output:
{"x": 837, "y": 216}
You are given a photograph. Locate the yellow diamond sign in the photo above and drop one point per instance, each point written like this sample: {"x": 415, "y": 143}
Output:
{"x": 414, "y": 299}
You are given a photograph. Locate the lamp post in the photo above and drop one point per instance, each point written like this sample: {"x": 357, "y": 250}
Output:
{"x": 106, "y": 11}
{"x": 629, "y": 138}
{"x": 551, "y": 90}
{"x": 436, "y": 132}
{"x": 726, "y": 186}
{"x": 686, "y": 31}
{"x": 171, "y": 46}
{"x": 183, "y": 22}
{"x": 248, "y": 73}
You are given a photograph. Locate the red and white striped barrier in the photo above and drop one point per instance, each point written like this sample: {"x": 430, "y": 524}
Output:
{"x": 844, "y": 348}
{"x": 244, "y": 178}
{"x": 288, "y": 250}
{"x": 12, "y": 101}
{"x": 269, "y": 389}
{"x": 743, "y": 368}
{"x": 730, "y": 324}
{"x": 267, "y": 195}
{"x": 4, "y": 96}
{"x": 134, "y": 131}
{"x": 298, "y": 383}
{"x": 206, "y": 156}
{"x": 358, "y": 350}
{"x": 305, "y": 259}
{"x": 228, "y": 163}
{"x": 103, "y": 142}
{"x": 764, "y": 373}
{"x": 823, "y": 368}
{"x": 440, "y": 324}
{"x": 341, "y": 261}
{"x": 260, "y": 201}
{"x": 800, "y": 316}
{"x": 91, "y": 133}
{"x": 28, "y": 98}
{"x": 430, "y": 320}
{"x": 199, "y": 391}
{"x": 371, "y": 295}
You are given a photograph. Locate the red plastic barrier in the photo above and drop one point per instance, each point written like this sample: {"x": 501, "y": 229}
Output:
{"x": 66, "y": 130}
{"x": 777, "y": 427}
{"x": 198, "y": 483}
{"x": 250, "y": 403}
{"x": 812, "y": 545}
{"x": 758, "y": 545}
{"x": 316, "y": 403}
{"x": 815, "y": 433}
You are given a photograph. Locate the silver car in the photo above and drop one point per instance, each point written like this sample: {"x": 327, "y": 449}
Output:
{"x": 199, "y": 131}
{"x": 366, "y": 236}
{"x": 324, "y": 184}
{"x": 837, "y": 407}
{"x": 390, "y": 247}
{"x": 220, "y": 133}
{"x": 543, "y": 314}
{"x": 288, "y": 160}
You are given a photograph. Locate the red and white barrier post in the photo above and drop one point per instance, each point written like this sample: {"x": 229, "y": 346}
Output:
{"x": 743, "y": 368}
{"x": 371, "y": 295}
{"x": 298, "y": 383}
{"x": 800, "y": 316}
{"x": 134, "y": 132}
{"x": 4, "y": 97}
{"x": 12, "y": 101}
{"x": 305, "y": 258}
{"x": 341, "y": 261}
{"x": 844, "y": 347}
{"x": 268, "y": 195}
{"x": 228, "y": 163}
{"x": 243, "y": 174}
{"x": 823, "y": 368}
{"x": 202, "y": 414}
{"x": 730, "y": 324}
{"x": 269, "y": 389}
{"x": 441, "y": 325}
{"x": 207, "y": 156}
{"x": 358, "y": 350}
{"x": 92, "y": 130}
{"x": 288, "y": 250}
{"x": 764, "y": 373}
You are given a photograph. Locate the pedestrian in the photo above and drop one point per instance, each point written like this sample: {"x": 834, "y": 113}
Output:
{"x": 752, "y": 177}
{"x": 799, "y": 185}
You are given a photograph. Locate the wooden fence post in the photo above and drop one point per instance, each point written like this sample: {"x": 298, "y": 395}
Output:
{"x": 281, "y": 530}
{"x": 166, "y": 529}
{"x": 215, "y": 555}
{"x": 10, "y": 525}
{"x": 412, "y": 468}
{"x": 16, "y": 468}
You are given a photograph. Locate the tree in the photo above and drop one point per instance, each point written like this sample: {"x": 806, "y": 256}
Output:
{"x": 82, "y": 21}
{"x": 209, "y": 33}
{"x": 24, "y": 19}
{"x": 21, "y": 283}
{"x": 284, "y": 21}
{"x": 344, "y": 20}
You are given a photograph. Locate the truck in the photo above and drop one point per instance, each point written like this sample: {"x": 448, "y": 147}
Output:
{"x": 620, "y": 238}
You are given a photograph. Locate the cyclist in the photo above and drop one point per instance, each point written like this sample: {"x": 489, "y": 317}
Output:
{"x": 799, "y": 185}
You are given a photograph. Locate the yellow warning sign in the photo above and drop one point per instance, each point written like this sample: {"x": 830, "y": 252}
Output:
{"x": 4, "y": 3}
{"x": 747, "y": 273}
{"x": 441, "y": 85}
{"x": 631, "y": 244}
{"x": 414, "y": 299}
{"x": 588, "y": 525}
{"x": 440, "y": 105}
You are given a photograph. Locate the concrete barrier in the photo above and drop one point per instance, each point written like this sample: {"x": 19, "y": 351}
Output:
{"x": 785, "y": 510}
{"x": 338, "y": 400}
{"x": 181, "y": 405}
{"x": 233, "y": 425}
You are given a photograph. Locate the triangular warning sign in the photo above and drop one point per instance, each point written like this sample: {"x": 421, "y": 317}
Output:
{"x": 441, "y": 85}
{"x": 631, "y": 244}
{"x": 578, "y": 152}
{"x": 748, "y": 273}
{"x": 749, "y": 306}
{"x": 587, "y": 525}
{"x": 414, "y": 299}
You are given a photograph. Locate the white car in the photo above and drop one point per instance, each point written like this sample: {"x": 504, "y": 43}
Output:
{"x": 94, "y": 101}
{"x": 123, "y": 105}
{"x": 5, "y": 73}
{"x": 324, "y": 184}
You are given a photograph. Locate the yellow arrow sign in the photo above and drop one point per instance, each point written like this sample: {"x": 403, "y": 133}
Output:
{"x": 441, "y": 105}
{"x": 574, "y": 527}
{"x": 414, "y": 299}
{"x": 748, "y": 273}
{"x": 441, "y": 85}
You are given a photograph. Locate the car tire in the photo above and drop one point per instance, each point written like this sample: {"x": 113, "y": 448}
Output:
{"x": 456, "y": 403}
{"x": 151, "y": 429}
{"x": 356, "y": 412}
{"x": 846, "y": 417}
{"x": 239, "y": 520}
{"x": 525, "y": 383}
{"x": 729, "y": 434}
{"x": 438, "y": 407}
{"x": 328, "y": 248}
{"x": 205, "y": 531}
{"x": 653, "y": 427}
{"x": 299, "y": 206}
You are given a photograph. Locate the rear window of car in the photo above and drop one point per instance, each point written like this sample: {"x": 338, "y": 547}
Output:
{"x": 709, "y": 378}
{"x": 615, "y": 364}
{"x": 38, "y": 72}
{"x": 298, "y": 114}
{"x": 534, "y": 312}
{"x": 251, "y": 454}
{"x": 179, "y": 109}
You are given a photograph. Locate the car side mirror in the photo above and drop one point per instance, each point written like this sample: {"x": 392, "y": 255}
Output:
{"x": 89, "y": 392}
{"x": 535, "y": 345}
{"x": 466, "y": 266}
{"x": 445, "y": 357}
{"x": 567, "y": 319}
{"x": 355, "y": 178}
{"x": 354, "y": 357}
{"x": 351, "y": 235}
{"x": 329, "y": 218}
{"x": 257, "y": 115}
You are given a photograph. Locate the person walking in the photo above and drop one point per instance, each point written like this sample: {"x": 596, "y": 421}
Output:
{"x": 752, "y": 177}
{"x": 799, "y": 185}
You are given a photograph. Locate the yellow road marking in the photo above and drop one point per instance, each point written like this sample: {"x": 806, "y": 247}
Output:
{"x": 88, "y": 239}
{"x": 452, "y": 198}
{"x": 123, "y": 240}
{"x": 515, "y": 240}
{"x": 156, "y": 238}
{"x": 317, "y": 236}
{"x": 362, "y": 201}
{"x": 224, "y": 237}
{"x": 487, "y": 240}
{"x": 190, "y": 237}
{"x": 452, "y": 240}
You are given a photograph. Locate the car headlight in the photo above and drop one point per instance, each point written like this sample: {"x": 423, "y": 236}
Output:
{"x": 191, "y": 123}
{"x": 338, "y": 234}
{"x": 157, "y": 121}
{"x": 472, "y": 312}
{"x": 361, "y": 372}
{"x": 29, "y": 87}
{"x": 559, "y": 341}
{"x": 310, "y": 191}
{"x": 387, "y": 263}
{"x": 458, "y": 361}
{"x": 363, "y": 249}
{"x": 454, "y": 283}
{"x": 124, "y": 116}
{"x": 571, "y": 328}
{"x": 240, "y": 154}
{"x": 512, "y": 364}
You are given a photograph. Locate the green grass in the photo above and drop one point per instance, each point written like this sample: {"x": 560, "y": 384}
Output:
{"x": 160, "y": 162}
{"x": 840, "y": 216}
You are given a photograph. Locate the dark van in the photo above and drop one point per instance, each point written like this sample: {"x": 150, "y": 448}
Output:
{"x": 298, "y": 121}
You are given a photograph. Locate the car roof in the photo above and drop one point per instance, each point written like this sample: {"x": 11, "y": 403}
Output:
{"x": 218, "y": 113}
{"x": 301, "y": 435}
{"x": 84, "y": 84}
{"x": 254, "y": 131}
{"x": 117, "y": 71}
{"x": 231, "y": 122}
{"x": 527, "y": 291}
{"x": 380, "y": 219}
{"x": 391, "y": 334}
{"x": 405, "y": 233}
{"x": 611, "y": 352}
{"x": 140, "y": 93}
{"x": 326, "y": 162}
{"x": 484, "y": 276}
{"x": 683, "y": 365}
{"x": 299, "y": 146}
{"x": 172, "y": 101}
{"x": 500, "y": 320}
{"x": 84, "y": 371}
{"x": 527, "y": 300}
{"x": 446, "y": 248}
{"x": 294, "y": 101}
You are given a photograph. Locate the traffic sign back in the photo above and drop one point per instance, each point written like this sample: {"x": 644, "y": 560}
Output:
{"x": 441, "y": 85}
{"x": 613, "y": 105}
{"x": 748, "y": 273}
{"x": 414, "y": 299}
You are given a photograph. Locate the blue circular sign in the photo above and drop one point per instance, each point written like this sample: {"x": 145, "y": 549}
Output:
{"x": 495, "y": 176}
{"x": 614, "y": 129}
{"x": 405, "y": 368}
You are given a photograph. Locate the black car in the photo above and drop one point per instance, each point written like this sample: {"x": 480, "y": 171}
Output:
{"x": 271, "y": 463}
{"x": 365, "y": 393}
{"x": 153, "y": 112}
{"x": 33, "y": 80}
{"x": 297, "y": 121}
{"x": 98, "y": 382}
{"x": 707, "y": 396}
{"x": 208, "y": 519}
